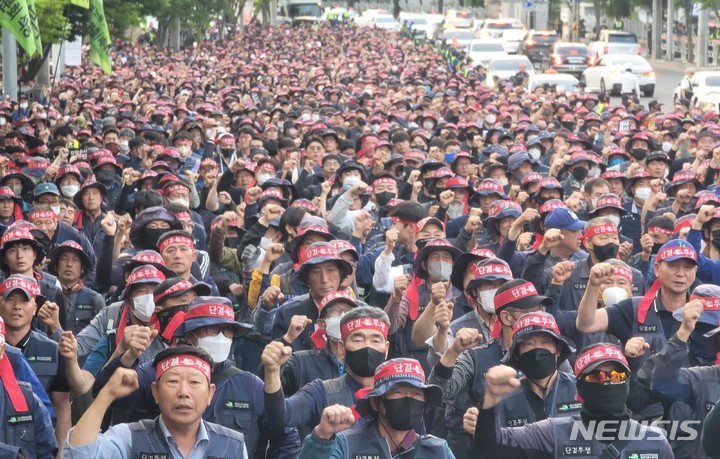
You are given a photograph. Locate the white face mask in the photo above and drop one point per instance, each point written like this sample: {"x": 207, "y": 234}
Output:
{"x": 642, "y": 193}
{"x": 351, "y": 180}
{"x": 614, "y": 295}
{"x": 217, "y": 346}
{"x": 181, "y": 201}
{"x": 490, "y": 120}
{"x": 455, "y": 209}
{"x": 667, "y": 146}
{"x": 185, "y": 151}
{"x": 69, "y": 190}
{"x": 124, "y": 145}
{"x": 332, "y": 327}
{"x": 23, "y": 106}
{"x": 535, "y": 153}
{"x": 428, "y": 125}
{"x": 265, "y": 242}
{"x": 262, "y": 178}
{"x": 144, "y": 306}
{"x": 487, "y": 300}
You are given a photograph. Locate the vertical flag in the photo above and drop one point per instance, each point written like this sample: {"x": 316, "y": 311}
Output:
{"x": 99, "y": 37}
{"x": 14, "y": 16}
{"x": 35, "y": 27}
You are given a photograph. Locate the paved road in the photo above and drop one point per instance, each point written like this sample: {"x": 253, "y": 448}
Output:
{"x": 668, "y": 77}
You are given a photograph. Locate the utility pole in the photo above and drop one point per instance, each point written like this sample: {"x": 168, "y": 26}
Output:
{"x": 702, "y": 39}
{"x": 9, "y": 51}
{"x": 670, "y": 39}
{"x": 657, "y": 29}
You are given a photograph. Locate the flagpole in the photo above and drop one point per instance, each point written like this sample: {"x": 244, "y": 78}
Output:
{"x": 57, "y": 61}
{"x": 9, "y": 51}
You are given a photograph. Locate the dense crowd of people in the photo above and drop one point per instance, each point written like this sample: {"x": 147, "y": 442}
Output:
{"x": 340, "y": 243}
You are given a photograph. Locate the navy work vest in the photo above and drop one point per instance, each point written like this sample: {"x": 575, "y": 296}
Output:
{"x": 148, "y": 441}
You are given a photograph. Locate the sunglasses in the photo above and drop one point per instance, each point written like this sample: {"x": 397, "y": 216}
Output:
{"x": 604, "y": 377}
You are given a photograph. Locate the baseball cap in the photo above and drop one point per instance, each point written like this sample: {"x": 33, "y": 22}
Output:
{"x": 563, "y": 218}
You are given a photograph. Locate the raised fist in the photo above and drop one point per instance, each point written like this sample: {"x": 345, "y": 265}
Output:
{"x": 275, "y": 355}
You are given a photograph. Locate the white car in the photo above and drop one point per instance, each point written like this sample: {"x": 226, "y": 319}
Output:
{"x": 511, "y": 39}
{"x": 364, "y": 19}
{"x": 709, "y": 101}
{"x": 419, "y": 24}
{"x": 605, "y": 74}
{"x": 567, "y": 83}
{"x": 458, "y": 38}
{"x": 481, "y": 52}
{"x": 494, "y": 28}
{"x": 705, "y": 82}
{"x": 507, "y": 67}
{"x": 385, "y": 21}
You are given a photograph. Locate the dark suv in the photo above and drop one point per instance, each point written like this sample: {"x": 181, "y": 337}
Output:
{"x": 572, "y": 58}
{"x": 537, "y": 44}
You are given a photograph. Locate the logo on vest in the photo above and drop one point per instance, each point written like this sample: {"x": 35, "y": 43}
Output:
{"x": 579, "y": 286}
{"x": 153, "y": 456}
{"x": 236, "y": 405}
{"x": 517, "y": 422}
{"x": 24, "y": 419}
{"x": 367, "y": 456}
{"x": 642, "y": 455}
{"x": 84, "y": 307}
{"x": 40, "y": 358}
{"x": 647, "y": 328}
{"x": 568, "y": 407}
{"x": 577, "y": 450}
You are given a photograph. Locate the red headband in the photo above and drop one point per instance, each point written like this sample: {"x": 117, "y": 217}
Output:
{"x": 403, "y": 221}
{"x": 384, "y": 181}
{"x": 38, "y": 214}
{"x": 536, "y": 320}
{"x": 600, "y": 229}
{"x": 183, "y": 215}
{"x": 682, "y": 252}
{"x": 495, "y": 268}
{"x": 709, "y": 303}
{"x": 173, "y": 188}
{"x": 521, "y": 291}
{"x": 659, "y": 230}
{"x": 211, "y": 310}
{"x": 363, "y": 323}
{"x": 172, "y": 240}
{"x": 147, "y": 273}
{"x": 596, "y": 354}
{"x": 624, "y": 272}
{"x": 183, "y": 285}
{"x": 183, "y": 360}
{"x": 15, "y": 283}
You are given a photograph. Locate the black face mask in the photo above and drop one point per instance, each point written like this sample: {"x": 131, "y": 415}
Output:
{"x": 403, "y": 414}
{"x": 639, "y": 153}
{"x": 716, "y": 239}
{"x": 605, "y": 252}
{"x": 656, "y": 248}
{"x": 580, "y": 172}
{"x": 363, "y": 362}
{"x": 384, "y": 198}
{"x": 420, "y": 243}
{"x": 232, "y": 242}
{"x": 227, "y": 152}
{"x": 537, "y": 363}
{"x": 399, "y": 171}
{"x": 149, "y": 239}
{"x": 568, "y": 125}
{"x": 106, "y": 176}
{"x": 164, "y": 317}
{"x": 604, "y": 400}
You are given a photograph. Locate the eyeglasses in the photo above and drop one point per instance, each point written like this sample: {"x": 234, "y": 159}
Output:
{"x": 214, "y": 330}
{"x": 604, "y": 377}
